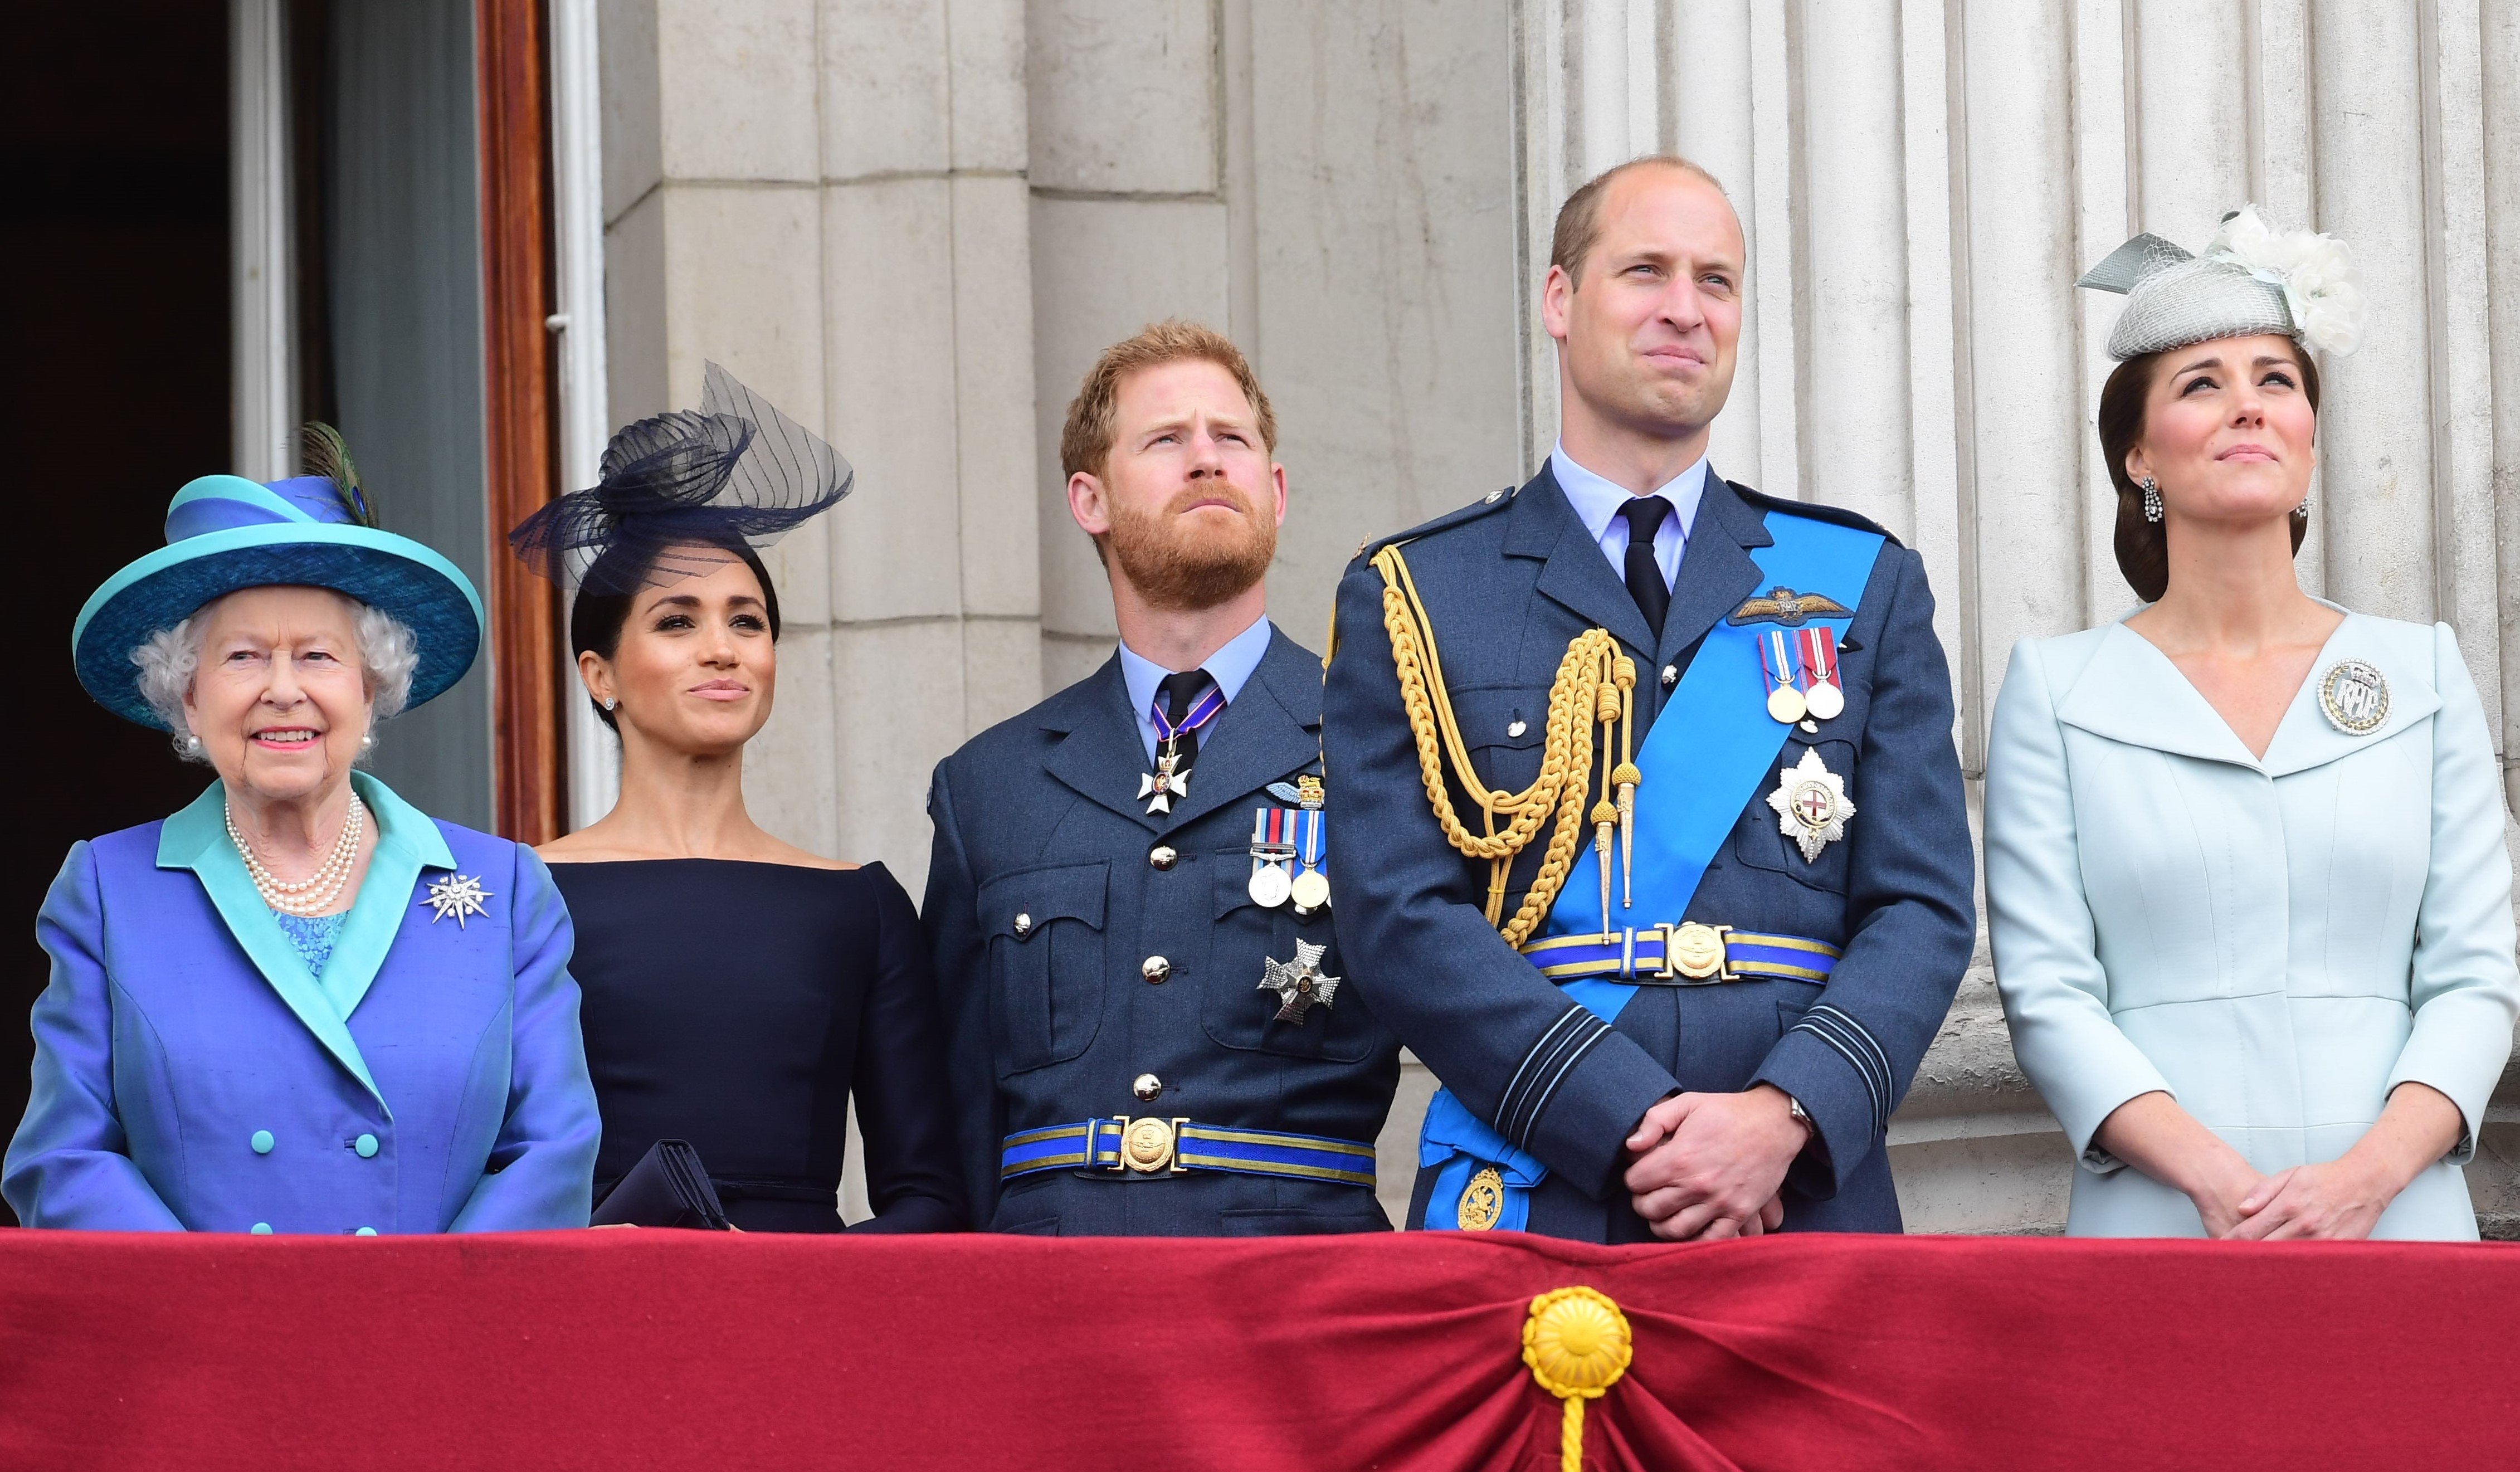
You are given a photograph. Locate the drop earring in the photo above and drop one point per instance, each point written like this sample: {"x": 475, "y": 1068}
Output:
{"x": 2302, "y": 510}
{"x": 2151, "y": 499}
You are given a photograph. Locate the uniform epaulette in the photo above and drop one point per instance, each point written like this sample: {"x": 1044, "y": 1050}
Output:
{"x": 1493, "y": 501}
{"x": 1814, "y": 509}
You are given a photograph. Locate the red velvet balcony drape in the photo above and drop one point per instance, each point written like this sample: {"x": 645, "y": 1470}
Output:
{"x": 658, "y": 1349}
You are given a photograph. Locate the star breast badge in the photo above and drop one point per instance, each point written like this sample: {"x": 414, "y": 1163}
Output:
{"x": 1301, "y": 985}
{"x": 456, "y": 896}
{"x": 1811, "y": 803}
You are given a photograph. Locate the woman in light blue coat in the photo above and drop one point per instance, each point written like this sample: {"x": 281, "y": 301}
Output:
{"x": 2250, "y": 901}
{"x": 299, "y": 1005}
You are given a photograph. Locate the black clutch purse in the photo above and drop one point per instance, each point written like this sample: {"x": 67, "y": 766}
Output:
{"x": 667, "y": 1187}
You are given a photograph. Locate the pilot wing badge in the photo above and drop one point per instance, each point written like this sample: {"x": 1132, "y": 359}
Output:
{"x": 1784, "y": 606}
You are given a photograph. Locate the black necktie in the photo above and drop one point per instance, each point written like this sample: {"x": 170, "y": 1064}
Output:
{"x": 1645, "y": 577}
{"x": 1181, "y": 691}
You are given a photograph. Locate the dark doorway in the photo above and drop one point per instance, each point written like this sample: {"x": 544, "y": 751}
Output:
{"x": 116, "y": 224}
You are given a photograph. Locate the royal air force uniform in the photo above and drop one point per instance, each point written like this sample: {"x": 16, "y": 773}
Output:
{"x": 1152, "y": 1032}
{"x": 1762, "y": 802}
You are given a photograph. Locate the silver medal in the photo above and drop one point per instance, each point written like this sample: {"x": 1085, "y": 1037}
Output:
{"x": 1269, "y": 884}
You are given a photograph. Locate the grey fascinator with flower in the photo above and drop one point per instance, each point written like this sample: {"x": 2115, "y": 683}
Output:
{"x": 2251, "y": 279}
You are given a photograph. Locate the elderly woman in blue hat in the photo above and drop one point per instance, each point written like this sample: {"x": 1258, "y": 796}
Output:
{"x": 299, "y": 1005}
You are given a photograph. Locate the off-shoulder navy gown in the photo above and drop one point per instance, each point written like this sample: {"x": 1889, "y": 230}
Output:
{"x": 738, "y": 1005}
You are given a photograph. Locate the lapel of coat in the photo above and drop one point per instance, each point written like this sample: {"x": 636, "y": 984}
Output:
{"x": 1574, "y": 573}
{"x": 408, "y": 843}
{"x": 1099, "y": 754}
{"x": 2132, "y": 692}
{"x": 1269, "y": 730}
{"x": 197, "y": 839}
{"x": 1716, "y": 572}
{"x": 2306, "y": 738}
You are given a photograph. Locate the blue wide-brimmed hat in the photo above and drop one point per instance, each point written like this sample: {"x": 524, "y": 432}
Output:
{"x": 225, "y": 533}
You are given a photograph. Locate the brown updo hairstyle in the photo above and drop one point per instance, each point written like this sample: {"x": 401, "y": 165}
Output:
{"x": 2143, "y": 547}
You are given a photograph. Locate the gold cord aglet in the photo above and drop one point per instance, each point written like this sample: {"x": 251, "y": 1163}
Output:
{"x": 1627, "y": 779}
{"x": 1604, "y": 818}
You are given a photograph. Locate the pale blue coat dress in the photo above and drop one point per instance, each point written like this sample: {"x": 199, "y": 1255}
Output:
{"x": 2275, "y": 943}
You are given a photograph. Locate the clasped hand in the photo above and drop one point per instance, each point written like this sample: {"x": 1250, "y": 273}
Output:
{"x": 1710, "y": 1166}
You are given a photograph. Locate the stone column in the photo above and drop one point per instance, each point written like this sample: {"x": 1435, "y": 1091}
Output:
{"x": 829, "y": 198}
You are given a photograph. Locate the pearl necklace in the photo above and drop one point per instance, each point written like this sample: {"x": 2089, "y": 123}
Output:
{"x": 314, "y": 895}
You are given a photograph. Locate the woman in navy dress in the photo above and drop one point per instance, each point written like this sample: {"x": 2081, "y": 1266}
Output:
{"x": 738, "y": 991}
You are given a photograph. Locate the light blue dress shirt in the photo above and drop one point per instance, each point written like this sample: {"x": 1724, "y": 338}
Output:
{"x": 1598, "y": 500}
{"x": 1230, "y": 667}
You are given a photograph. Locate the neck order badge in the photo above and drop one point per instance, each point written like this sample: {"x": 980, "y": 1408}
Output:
{"x": 1171, "y": 777}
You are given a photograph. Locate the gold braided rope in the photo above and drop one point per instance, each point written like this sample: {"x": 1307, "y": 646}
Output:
{"x": 1594, "y": 682}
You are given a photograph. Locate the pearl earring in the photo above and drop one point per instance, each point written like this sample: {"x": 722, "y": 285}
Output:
{"x": 2151, "y": 499}
{"x": 609, "y": 702}
{"x": 367, "y": 742}
{"x": 193, "y": 745}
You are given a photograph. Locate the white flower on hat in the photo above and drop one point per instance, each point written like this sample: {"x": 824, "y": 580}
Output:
{"x": 2315, "y": 272}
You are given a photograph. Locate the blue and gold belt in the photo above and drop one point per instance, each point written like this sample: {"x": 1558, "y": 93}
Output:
{"x": 1688, "y": 954}
{"x": 1149, "y": 1146}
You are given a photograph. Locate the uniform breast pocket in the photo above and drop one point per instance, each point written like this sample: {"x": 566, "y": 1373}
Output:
{"x": 1234, "y": 1009}
{"x": 1765, "y": 838}
{"x": 1046, "y": 962}
{"x": 1504, "y": 728}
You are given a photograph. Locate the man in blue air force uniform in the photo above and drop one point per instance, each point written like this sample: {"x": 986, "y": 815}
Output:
{"x": 1128, "y": 904}
{"x": 1722, "y": 718}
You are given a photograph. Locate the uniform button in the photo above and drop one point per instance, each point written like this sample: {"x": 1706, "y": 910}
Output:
{"x": 366, "y": 1145}
{"x": 1023, "y": 925}
{"x": 1146, "y": 1087}
{"x": 365, "y": 1231}
{"x": 261, "y": 1141}
{"x": 1161, "y": 855}
{"x": 1515, "y": 727}
{"x": 1492, "y": 498}
{"x": 260, "y": 1230}
{"x": 1670, "y": 676}
{"x": 1156, "y": 969}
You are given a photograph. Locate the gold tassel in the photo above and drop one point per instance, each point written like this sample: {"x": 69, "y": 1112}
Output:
{"x": 1578, "y": 1345}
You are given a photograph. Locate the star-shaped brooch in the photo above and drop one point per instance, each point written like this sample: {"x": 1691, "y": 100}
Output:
{"x": 1301, "y": 985}
{"x": 458, "y": 896}
{"x": 1812, "y": 805}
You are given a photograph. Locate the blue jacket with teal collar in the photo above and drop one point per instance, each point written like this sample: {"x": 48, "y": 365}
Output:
{"x": 1506, "y": 584}
{"x": 192, "y": 1073}
{"x": 1046, "y": 898}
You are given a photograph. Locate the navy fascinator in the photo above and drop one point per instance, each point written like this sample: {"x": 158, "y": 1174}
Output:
{"x": 735, "y": 472}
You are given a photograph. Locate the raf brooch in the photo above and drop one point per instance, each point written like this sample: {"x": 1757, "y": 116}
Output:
{"x": 1811, "y": 803}
{"x": 1301, "y": 985}
{"x": 456, "y": 896}
{"x": 2353, "y": 697}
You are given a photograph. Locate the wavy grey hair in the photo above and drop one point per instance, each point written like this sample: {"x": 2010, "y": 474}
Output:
{"x": 168, "y": 659}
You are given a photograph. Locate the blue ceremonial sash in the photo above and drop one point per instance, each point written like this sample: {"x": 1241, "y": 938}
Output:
{"x": 1707, "y": 754}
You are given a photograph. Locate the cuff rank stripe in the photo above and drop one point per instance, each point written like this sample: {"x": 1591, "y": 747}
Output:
{"x": 1574, "y": 1033}
{"x": 1097, "y": 1143}
{"x": 1857, "y": 1045}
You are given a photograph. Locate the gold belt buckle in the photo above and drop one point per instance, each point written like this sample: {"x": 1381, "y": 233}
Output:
{"x": 1695, "y": 951}
{"x": 1149, "y": 1146}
